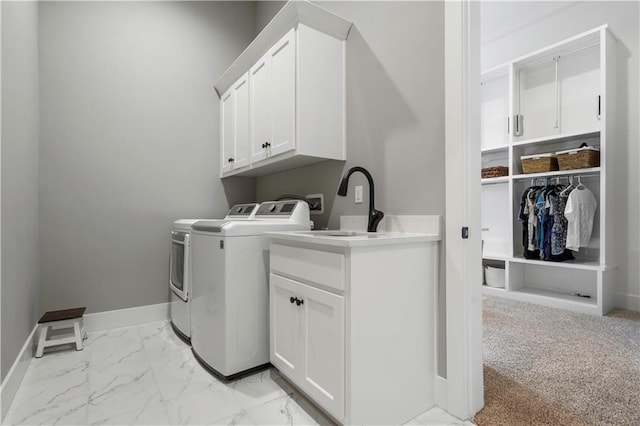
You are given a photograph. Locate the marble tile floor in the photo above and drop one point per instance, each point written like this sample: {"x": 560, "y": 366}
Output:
{"x": 145, "y": 375}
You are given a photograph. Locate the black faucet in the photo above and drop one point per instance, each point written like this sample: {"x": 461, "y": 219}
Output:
{"x": 375, "y": 216}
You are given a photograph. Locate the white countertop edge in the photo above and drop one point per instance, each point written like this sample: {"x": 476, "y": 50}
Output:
{"x": 355, "y": 241}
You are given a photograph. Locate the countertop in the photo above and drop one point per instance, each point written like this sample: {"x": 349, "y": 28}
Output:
{"x": 360, "y": 239}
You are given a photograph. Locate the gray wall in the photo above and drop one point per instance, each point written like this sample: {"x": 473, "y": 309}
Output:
{"x": 623, "y": 18}
{"x": 129, "y": 141}
{"x": 20, "y": 274}
{"x": 395, "y": 112}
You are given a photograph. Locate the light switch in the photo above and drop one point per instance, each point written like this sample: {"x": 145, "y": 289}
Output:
{"x": 358, "y": 195}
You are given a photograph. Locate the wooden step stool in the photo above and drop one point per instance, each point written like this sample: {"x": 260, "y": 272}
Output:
{"x": 66, "y": 318}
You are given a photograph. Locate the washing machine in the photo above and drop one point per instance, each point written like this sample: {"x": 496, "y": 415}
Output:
{"x": 180, "y": 268}
{"x": 229, "y": 314}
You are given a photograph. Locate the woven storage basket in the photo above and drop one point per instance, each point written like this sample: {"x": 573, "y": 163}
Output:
{"x": 539, "y": 163}
{"x": 580, "y": 158}
{"x": 496, "y": 171}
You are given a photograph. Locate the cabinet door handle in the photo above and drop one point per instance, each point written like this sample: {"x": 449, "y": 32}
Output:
{"x": 266, "y": 145}
{"x": 299, "y": 302}
{"x": 230, "y": 160}
{"x": 292, "y": 299}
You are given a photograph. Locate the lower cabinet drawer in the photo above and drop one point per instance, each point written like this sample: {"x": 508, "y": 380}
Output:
{"x": 322, "y": 267}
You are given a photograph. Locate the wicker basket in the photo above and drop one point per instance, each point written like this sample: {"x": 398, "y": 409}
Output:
{"x": 496, "y": 171}
{"x": 580, "y": 158}
{"x": 539, "y": 163}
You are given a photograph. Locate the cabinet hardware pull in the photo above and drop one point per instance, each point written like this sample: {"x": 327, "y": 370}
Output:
{"x": 299, "y": 302}
{"x": 292, "y": 299}
{"x": 230, "y": 160}
{"x": 517, "y": 125}
{"x": 266, "y": 145}
{"x": 599, "y": 107}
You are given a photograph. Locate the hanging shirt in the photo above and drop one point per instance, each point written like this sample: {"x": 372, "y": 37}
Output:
{"x": 531, "y": 220}
{"x": 557, "y": 230}
{"x": 541, "y": 213}
{"x": 580, "y": 211}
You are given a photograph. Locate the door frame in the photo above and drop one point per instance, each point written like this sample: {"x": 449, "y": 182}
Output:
{"x": 464, "y": 383}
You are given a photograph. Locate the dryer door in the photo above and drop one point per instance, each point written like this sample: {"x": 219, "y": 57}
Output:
{"x": 179, "y": 264}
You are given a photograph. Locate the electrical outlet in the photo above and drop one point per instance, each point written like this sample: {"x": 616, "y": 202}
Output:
{"x": 358, "y": 195}
{"x": 316, "y": 203}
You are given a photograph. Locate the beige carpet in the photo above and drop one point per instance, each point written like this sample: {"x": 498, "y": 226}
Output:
{"x": 546, "y": 366}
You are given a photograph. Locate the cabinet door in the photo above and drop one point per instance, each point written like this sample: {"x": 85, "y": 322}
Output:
{"x": 227, "y": 131}
{"x": 283, "y": 101}
{"x": 260, "y": 108}
{"x": 241, "y": 101}
{"x": 323, "y": 348}
{"x": 284, "y": 324}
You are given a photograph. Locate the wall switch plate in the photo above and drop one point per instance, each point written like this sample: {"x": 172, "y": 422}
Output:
{"x": 358, "y": 195}
{"x": 316, "y": 203}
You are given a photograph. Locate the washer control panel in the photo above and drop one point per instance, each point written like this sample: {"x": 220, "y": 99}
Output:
{"x": 242, "y": 210}
{"x": 277, "y": 208}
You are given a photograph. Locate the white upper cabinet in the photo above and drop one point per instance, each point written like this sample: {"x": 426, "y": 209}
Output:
{"x": 295, "y": 72}
{"x": 283, "y": 88}
{"x": 273, "y": 103}
{"x": 494, "y": 109}
{"x": 234, "y": 126}
{"x": 557, "y": 91}
{"x": 260, "y": 108}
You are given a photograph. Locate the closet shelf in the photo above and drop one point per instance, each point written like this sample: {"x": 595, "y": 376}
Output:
{"x": 590, "y": 170}
{"x": 557, "y": 296}
{"x": 496, "y": 256}
{"x": 493, "y": 181}
{"x": 570, "y": 264}
{"x": 562, "y": 137}
{"x": 493, "y": 291}
{"x": 493, "y": 149}
{"x": 548, "y": 298}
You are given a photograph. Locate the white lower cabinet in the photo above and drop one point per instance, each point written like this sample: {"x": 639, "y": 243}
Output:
{"x": 307, "y": 340}
{"x": 352, "y": 326}
{"x": 285, "y": 325}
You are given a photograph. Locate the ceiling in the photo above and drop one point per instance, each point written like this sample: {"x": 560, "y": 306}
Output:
{"x": 499, "y": 18}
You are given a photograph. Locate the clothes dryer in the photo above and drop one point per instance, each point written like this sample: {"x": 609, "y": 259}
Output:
{"x": 180, "y": 268}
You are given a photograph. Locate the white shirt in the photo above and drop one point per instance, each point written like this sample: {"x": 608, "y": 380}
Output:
{"x": 580, "y": 211}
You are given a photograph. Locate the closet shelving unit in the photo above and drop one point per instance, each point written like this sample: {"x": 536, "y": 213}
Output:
{"x": 551, "y": 100}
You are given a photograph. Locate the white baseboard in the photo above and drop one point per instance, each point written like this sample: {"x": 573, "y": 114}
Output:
{"x": 14, "y": 377}
{"x": 126, "y": 317}
{"x": 441, "y": 392}
{"x": 626, "y": 301}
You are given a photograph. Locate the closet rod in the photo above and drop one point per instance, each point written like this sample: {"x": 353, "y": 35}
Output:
{"x": 561, "y": 55}
{"x": 567, "y": 177}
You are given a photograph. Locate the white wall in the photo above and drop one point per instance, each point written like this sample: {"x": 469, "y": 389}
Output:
{"x": 129, "y": 141}
{"x": 572, "y": 19}
{"x": 20, "y": 271}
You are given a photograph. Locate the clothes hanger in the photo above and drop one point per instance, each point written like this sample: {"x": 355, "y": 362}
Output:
{"x": 569, "y": 187}
{"x": 580, "y": 185}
